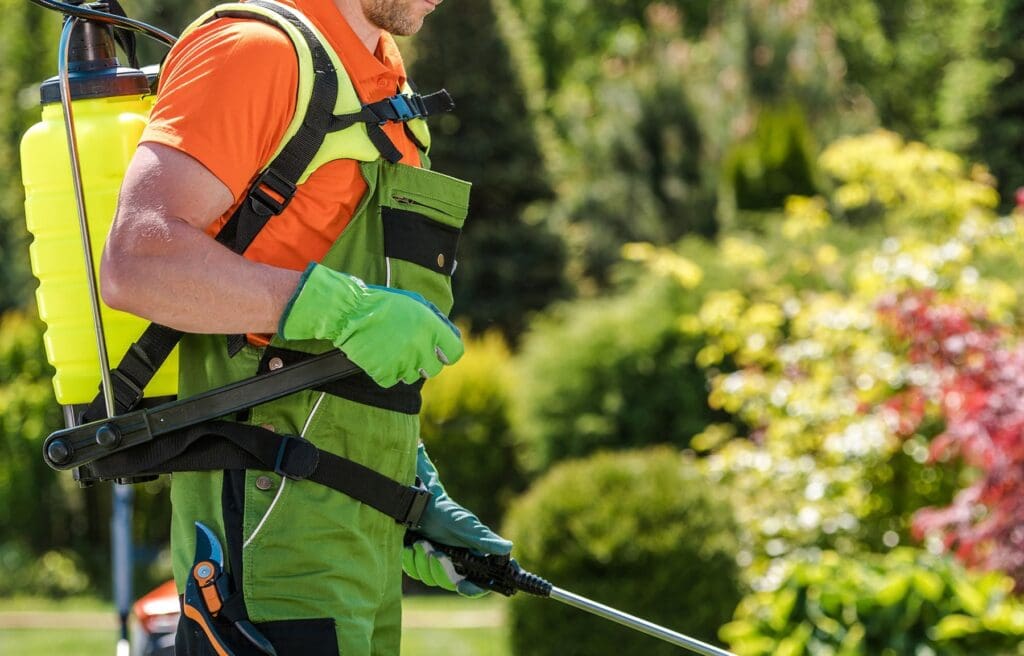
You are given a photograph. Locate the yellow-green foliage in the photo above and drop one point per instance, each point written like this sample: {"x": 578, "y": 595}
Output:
{"x": 907, "y": 185}
{"x": 797, "y": 358}
{"x": 53, "y": 534}
{"x": 465, "y": 426}
{"x": 905, "y": 603}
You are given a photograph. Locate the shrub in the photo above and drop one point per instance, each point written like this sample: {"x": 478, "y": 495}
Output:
{"x": 52, "y": 574}
{"x": 641, "y": 531}
{"x": 881, "y": 177}
{"x": 975, "y": 376}
{"x": 803, "y": 362}
{"x": 465, "y": 425}
{"x": 28, "y": 412}
{"x": 906, "y": 603}
{"x": 44, "y": 516}
{"x": 609, "y": 373}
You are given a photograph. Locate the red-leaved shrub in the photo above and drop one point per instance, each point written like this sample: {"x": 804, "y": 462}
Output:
{"x": 972, "y": 370}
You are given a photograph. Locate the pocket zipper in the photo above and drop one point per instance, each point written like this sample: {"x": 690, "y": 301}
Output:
{"x": 405, "y": 200}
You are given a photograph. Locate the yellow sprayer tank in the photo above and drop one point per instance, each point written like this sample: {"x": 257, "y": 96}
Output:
{"x": 110, "y": 108}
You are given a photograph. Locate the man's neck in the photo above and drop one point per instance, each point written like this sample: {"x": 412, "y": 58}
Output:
{"x": 367, "y": 32}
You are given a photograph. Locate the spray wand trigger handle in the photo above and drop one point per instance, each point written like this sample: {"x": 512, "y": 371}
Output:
{"x": 502, "y": 574}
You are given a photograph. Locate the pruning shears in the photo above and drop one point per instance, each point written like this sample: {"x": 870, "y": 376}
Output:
{"x": 207, "y": 590}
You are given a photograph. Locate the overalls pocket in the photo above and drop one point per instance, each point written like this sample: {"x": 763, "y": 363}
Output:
{"x": 422, "y": 214}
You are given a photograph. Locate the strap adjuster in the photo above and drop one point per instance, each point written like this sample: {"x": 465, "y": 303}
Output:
{"x": 420, "y": 497}
{"x": 262, "y": 202}
{"x": 297, "y": 458}
{"x": 127, "y": 392}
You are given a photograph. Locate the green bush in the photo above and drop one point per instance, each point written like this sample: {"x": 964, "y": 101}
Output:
{"x": 465, "y": 425}
{"x": 45, "y": 517}
{"x": 51, "y": 574}
{"x": 609, "y": 373}
{"x": 640, "y": 531}
{"x": 906, "y": 603}
{"x": 33, "y": 505}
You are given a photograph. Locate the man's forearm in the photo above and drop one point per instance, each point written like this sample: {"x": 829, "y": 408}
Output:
{"x": 170, "y": 272}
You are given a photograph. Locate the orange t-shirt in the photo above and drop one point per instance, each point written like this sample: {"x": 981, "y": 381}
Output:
{"x": 227, "y": 94}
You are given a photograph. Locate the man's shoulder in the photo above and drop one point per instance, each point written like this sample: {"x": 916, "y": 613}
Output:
{"x": 236, "y": 35}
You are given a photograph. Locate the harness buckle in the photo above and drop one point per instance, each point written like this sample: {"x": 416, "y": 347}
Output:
{"x": 420, "y": 497}
{"x": 265, "y": 204}
{"x": 404, "y": 107}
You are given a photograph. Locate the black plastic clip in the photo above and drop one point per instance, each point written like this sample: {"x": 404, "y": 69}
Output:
{"x": 421, "y": 496}
{"x": 297, "y": 458}
{"x": 262, "y": 202}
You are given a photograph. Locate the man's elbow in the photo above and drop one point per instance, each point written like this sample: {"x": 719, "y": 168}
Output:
{"x": 116, "y": 278}
{"x": 112, "y": 284}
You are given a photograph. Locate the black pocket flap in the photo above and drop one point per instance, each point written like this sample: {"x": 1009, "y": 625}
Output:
{"x": 415, "y": 238}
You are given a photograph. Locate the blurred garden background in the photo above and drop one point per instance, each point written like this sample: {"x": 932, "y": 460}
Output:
{"x": 742, "y": 293}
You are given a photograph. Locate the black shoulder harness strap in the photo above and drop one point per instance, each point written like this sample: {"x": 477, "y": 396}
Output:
{"x": 268, "y": 196}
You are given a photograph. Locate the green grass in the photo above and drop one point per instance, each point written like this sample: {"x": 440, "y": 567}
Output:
{"x": 48, "y": 642}
{"x": 454, "y": 642}
{"x": 40, "y": 604}
{"x": 464, "y": 638}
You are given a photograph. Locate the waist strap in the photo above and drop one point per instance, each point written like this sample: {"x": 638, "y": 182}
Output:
{"x": 219, "y": 445}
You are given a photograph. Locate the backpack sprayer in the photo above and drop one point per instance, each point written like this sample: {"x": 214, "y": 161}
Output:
{"x": 74, "y": 169}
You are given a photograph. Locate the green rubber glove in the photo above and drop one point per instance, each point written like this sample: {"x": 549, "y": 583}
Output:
{"x": 392, "y": 334}
{"x": 446, "y": 522}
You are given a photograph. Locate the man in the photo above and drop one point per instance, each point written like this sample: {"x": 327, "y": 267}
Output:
{"x": 319, "y": 571}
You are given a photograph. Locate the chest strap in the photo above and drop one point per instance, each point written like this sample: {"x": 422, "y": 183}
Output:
{"x": 400, "y": 108}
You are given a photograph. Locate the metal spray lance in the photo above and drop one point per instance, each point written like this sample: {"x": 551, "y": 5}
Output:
{"x": 501, "y": 574}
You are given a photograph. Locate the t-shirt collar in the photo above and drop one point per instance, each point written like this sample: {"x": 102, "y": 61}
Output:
{"x": 375, "y": 75}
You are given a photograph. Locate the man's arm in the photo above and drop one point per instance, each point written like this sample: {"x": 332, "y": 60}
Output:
{"x": 159, "y": 263}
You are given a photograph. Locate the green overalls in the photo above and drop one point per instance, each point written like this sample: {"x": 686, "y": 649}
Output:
{"x": 321, "y": 572}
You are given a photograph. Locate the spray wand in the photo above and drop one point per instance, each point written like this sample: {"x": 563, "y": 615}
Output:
{"x": 505, "y": 576}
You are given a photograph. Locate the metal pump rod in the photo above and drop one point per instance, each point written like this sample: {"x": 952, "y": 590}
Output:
{"x": 122, "y": 510}
{"x": 636, "y": 623}
{"x": 83, "y": 221}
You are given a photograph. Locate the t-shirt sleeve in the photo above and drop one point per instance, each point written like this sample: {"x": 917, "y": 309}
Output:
{"x": 226, "y": 97}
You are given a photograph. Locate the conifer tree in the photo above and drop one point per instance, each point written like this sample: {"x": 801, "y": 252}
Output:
{"x": 509, "y": 265}
{"x": 1001, "y": 126}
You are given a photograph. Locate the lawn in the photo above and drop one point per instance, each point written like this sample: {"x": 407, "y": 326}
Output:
{"x": 84, "y": 627}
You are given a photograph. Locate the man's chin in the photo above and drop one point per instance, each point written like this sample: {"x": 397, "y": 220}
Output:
{"x": 408, "y": 28}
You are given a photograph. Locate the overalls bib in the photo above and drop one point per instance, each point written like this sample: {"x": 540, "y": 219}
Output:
{"x": 319, "y": 571}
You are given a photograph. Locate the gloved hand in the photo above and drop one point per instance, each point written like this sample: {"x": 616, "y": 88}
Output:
{"x": 446, "y": 522}
{"x": 392, "y": 334}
